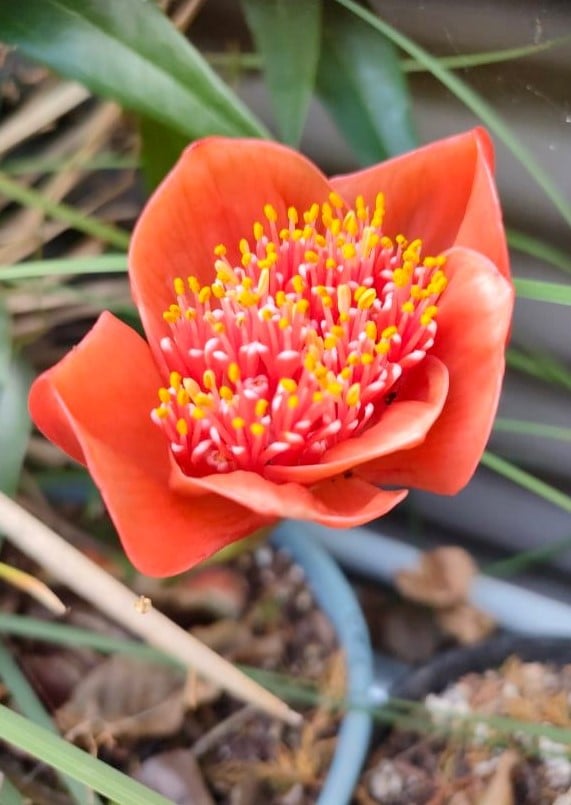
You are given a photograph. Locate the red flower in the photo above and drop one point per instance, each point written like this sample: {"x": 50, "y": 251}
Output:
{"x": 309, "y": 340}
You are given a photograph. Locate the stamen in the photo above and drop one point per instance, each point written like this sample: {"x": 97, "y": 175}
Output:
{"x": 298, "y": 346}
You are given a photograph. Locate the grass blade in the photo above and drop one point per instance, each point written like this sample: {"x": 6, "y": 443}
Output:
{"x": 471, "y": 100}
{"x": 553, "y": 292}
{"x": 526, "y": 480}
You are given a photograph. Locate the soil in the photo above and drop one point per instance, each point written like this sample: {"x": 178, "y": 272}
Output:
{"x": 183, "y": 737}
{"x": 485, "y": 764}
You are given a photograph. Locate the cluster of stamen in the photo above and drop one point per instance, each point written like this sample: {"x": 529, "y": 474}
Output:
{"x": 298, "y": 347}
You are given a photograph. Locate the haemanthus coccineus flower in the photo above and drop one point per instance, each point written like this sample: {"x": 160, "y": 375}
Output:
{"x": 315, "y": 346}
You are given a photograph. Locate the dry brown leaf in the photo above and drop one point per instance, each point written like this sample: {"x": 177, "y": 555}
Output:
{"x": 500, "y": 788}
{"x": 466, "y": 623}
{"x": 442, "y": 580}
{"x": 125, "y": 697}
{"x": 177, "y": 776}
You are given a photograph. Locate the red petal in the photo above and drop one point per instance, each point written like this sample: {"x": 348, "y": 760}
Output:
{"x": 473, "y": 323}
{"x": 403, "y": 425}
{"x": 339, "y": 502}
{"x": 104, "y": 406}
{"x": 214, "y": 195}
{"x": 443, "y": 193}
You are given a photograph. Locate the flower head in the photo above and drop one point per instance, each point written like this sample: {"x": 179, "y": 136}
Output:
{"x": 309, "y": 342}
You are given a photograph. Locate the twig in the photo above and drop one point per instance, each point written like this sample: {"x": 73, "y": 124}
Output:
{"x": 92, "y": 583}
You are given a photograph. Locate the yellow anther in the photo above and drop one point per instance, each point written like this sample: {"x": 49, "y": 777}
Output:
{"x": 203, "y": 399}
{"x": 301, "y": 306}
{"x": 293, "y": 401}
{"x": 353, "y": 394}
{"x": 218, "y": 290}
{"x": 401, "y": 278}
{"x": 408, "y": 307}
{"x": 198, "y": 413}
{"x": 190, "y": 314}
{"x": 170, "y": 318}
{"x": 367, "y": 299}
{"x": 416, "y": 292}
{"x": 298, "y": 283}
{"x": 307, "y": 231}
{"x": 161, "y": 412}
{"x": 233, "y": 372}
{"x": 284, "y": 234}
{"x": 182, "y": 397}
{"x": 310, "y": 217}
{"x": 205, "y": 294}
{"x": 386, "y": 242}
{"x": 383, "y": 347}
{"x": 261, "y": 407}
{"x": 209, "y": 380}
{"x": 334, "y": 388}
{"x": 326, "y": 301}
{"x": 367, "y": 358}
{"x": 284, "y": 323}
{"x": 310, "y": 256}
{"x": 359, "y": 291}
{"x": 331, "y": 262}
{"x": 175, "y": 379}
{"x": 220, "y": 250}
{"x": 179, "y": 287}
{"x": 401, "y": 241}
{"x": 345, "y": 373}
{"x": 292, "y": 215}
{"x": 244, "y": 246}
{"x": 164, "y": 395}
{"x": 353, "y": 359}
{"x": 270, "y": 213}
{"x": 335, "y": 199}
{"x": 258, "y": 230}
{"x": 371, "y": 330}
{"x": 288, "y": 384}
{"x": 388, "y": 332}
{"x": 226, "y": 393}
{"x": 280, "y": 298}
{"x": 348, "y": 251}
{"x": 182, "y": 427}
{"x": 350, "y": 224}
{"x": 310, "y": 362}
{"x": 330, "y": 341}
{"x": 219, "y": 327}
{"x": 193, "y": 284}
{"x": 257, "y": 429}
{"x": 317, "y": 396}
{"x": 296, "y": 235}
{"x": 428, "y": 315}
{"x": 238, "y": 423}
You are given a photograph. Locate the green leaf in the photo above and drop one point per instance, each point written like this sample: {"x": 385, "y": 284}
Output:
{"x": 360, "y": 81}
{"x": 25, "y": 699}
{"x": 5, "y": 345}
{"x": 539, "y": 291}
{"x": 66, "y": 758}
{"x": 538, "y": 248}
{"x": 526, "y": 480}
{"x": 14, "y": 423}
{"x": 161, "y": 148}
{"x": 130, "y": 52}
{"x": 287, "y": 35}
{"x": 480, "y": 107}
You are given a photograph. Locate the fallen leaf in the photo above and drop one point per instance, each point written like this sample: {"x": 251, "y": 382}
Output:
{"x": 177, "y": 776}
{"x": 499, "y": 790}
{"x": 442, "y": 580}
{"x": 466, "y": 623}
{"x": 125, "y": 697}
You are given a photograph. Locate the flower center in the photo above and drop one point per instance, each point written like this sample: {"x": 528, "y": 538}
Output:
{"x": 300, "y": 346}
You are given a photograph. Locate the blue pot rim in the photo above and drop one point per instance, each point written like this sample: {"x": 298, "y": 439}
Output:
{"x": 336, "y": 598}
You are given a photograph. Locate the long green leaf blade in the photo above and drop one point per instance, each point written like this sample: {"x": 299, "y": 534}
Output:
{"x": 15, "y": 423}
{"x": 361, "y": 83}
{"x": 471, "y": 100}
{"x": 70, "y": 760}
{"x": 539, "y": 291}
{"x": 287, "y": 34}
{"x": 130, "y": 52}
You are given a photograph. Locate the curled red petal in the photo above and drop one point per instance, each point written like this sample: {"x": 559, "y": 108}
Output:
{"x": 339, "y": 502}
{"x": 443, "y": 193}
{"x": 403, "y": 425}
{"x": 473, "y": 324}
{"x": 103, "y": 406}
{"x": 214, "y": 194}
